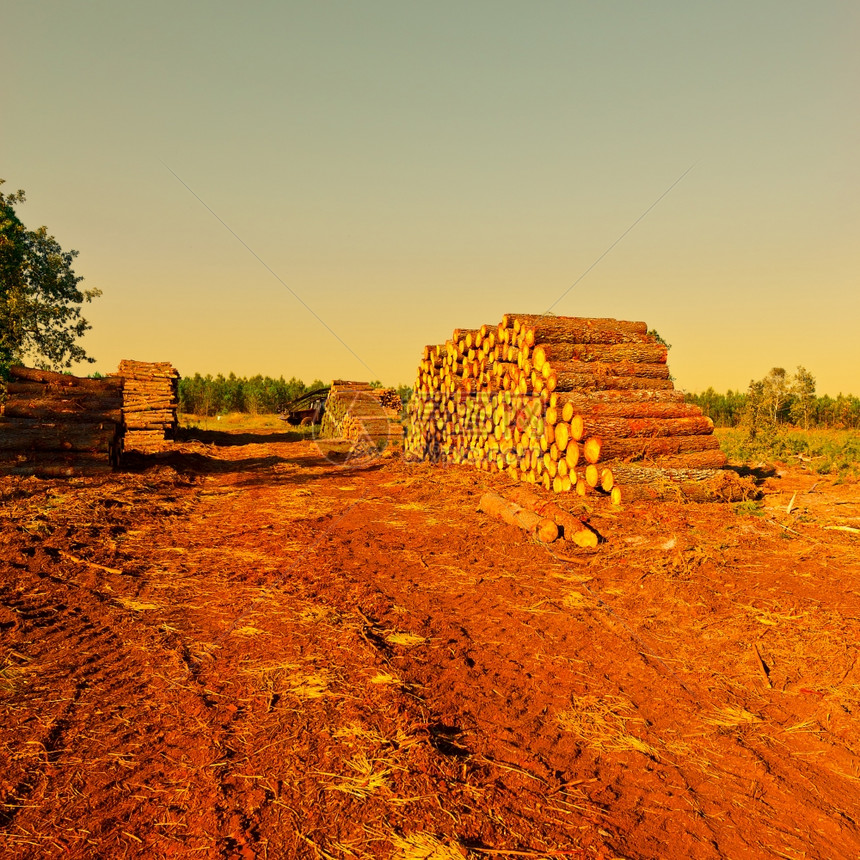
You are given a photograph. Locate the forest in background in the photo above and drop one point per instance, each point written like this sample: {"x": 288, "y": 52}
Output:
{"x": 779, "y": 399}
{"x": 219, "y": 395}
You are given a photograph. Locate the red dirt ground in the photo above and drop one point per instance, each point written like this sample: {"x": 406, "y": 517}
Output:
{"x": 239, "y": 648}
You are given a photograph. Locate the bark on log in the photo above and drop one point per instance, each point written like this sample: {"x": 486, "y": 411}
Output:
{"x": 54, "y": 410}
{"x": 585, "y": 381}
{"x": 581, "y": 400}
{"x": 542, "y": 527}
{"x": 648, "y": 427}
{"x": 22, "y": 434}
{"x": 614, "y": 448}
{"x": 573, "y": 528}
{"x": 713, "y": 458}
{"x": 63, "y": 380}
{"x": 642, "y": 410}
{"x": 652, "y": 353}
{"x": 606, "y": 369}
{"x": 543, "y": 329}
{"x": 691, "y": 485}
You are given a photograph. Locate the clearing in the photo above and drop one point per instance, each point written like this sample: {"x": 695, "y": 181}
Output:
{"x": 242, "y": 648}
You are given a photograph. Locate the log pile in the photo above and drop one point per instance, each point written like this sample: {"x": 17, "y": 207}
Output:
{"x": 359, "y": 413}
{"x": 58, "y": 425}
{"x": 570, "y": 403}
{"x": 150, "y": 402}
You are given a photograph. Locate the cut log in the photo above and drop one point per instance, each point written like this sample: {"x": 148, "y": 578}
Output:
{"x": 606, "y": 369}
{"x": 582, "y": 400}
{"x": 653, "y": 353}
{"x": 598, "y": 411}
{"x": 542, "y": 527}
{"x": 648, "y": 427}
{"x": 641, "y": 449}
{"x": 63, "y": 380}
{"x": 573, "y": 528}
{"x": 564, "y": 381}
{"x": 54, "y": 410}
{"x": 36, "y": 435}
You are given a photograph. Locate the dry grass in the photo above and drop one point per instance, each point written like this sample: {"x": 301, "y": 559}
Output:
{"x": 366, "y": 776}
{"x": 423, "y": 846}
{"x": 385, "y": 678}
{"x": 601, "y": 723}
{"x": 732, "y": 717}
{"x": 407, "y": 640}
{"x": 135, "y": 605}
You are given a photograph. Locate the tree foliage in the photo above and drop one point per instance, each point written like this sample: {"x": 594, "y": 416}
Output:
{"x": 40, "y": 301}
{"x": 213, "y": 395}
{"x": 777, "y": 400}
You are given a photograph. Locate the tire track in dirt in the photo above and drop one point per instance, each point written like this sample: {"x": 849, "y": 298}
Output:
{"x": 84, "y": 716}
{"x": 507, "y": 705}
{"x": 309, "y": 662}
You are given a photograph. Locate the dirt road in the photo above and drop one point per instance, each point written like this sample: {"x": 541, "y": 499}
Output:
{"x": 240, "y": 648}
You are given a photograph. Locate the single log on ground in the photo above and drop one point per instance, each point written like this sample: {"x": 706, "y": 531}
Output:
{"x": 573, "y": 528}
{"x": 543, "y": 528}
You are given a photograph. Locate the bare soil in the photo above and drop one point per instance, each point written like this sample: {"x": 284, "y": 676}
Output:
{"x": 240, "y": 647}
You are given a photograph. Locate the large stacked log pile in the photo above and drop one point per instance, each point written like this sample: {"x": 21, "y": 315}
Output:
{"x": 359, "y": 413}
{"x": 567, "y": 402}
{"x": 150, "y": 401}
{"x": 57, "y": 425}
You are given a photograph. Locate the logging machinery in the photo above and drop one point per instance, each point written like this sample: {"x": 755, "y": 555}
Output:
{"x": 307, "y": 409}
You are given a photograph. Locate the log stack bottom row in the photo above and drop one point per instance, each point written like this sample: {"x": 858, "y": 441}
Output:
{"x": 359, "y": 413}
{"x": 570, "y": 403}
{"x": 54, "y": 425}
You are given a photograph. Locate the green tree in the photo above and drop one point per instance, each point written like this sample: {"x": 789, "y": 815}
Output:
{"x": 803, "y": 392}
{"x": 757, "y": 417}
{"x": 652, "y": 332}
{"x": 776, "y": 392}
{"x": 40, "y": 302}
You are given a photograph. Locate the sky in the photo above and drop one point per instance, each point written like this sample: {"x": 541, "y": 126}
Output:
{"x": 319, "y": 189}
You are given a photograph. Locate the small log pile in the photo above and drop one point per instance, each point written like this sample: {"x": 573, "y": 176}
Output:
{"x": 571, "y": 403}
{"x": 359, "y": 413}
{"x": 58, "y": 425}
{"x": 150, "y": 402}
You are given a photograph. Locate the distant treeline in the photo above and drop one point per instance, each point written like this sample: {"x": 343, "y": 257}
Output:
{"x": 217, "y": 395}
{"x": 779, "y": 399}
{"x": 213, "y": 395}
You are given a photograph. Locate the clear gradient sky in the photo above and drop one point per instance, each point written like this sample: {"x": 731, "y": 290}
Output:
{"x": 407, "y": 168}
